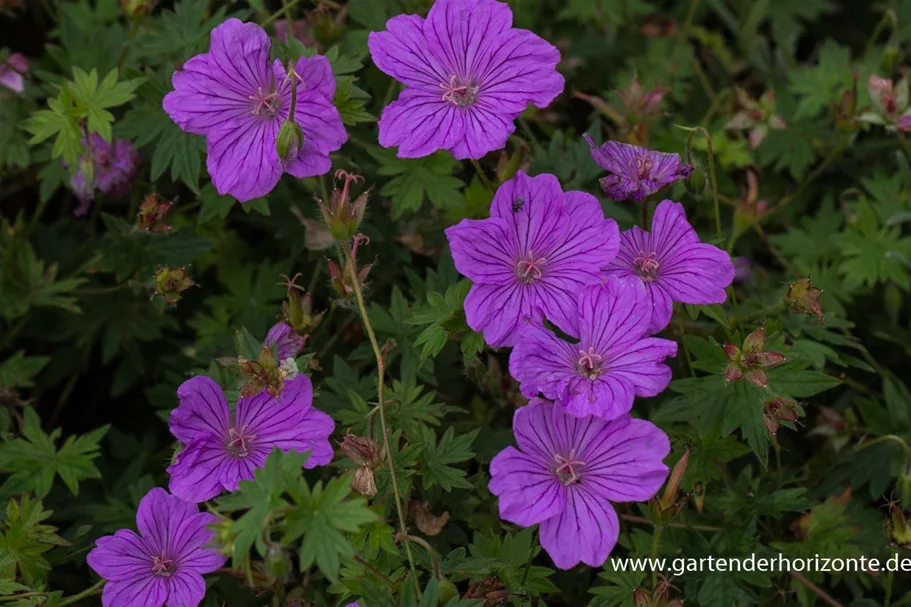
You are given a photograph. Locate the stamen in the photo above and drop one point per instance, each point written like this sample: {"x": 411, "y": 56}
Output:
{"x": 238, "y": 442}
{"x": 647, "y": 265}
{"x": 163, "y": 566}
{"x": 590, "y": 363}
{"x": 568, "y": 469}
{"x": 642, "y": 166}
{"x": 265, "y": 102}
{"x": 460, "y": 92}
{"x": 531, "y": 268}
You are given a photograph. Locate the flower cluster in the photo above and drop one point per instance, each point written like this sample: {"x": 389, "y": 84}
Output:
{"x": 164, "y": 565}
{"x": 548, "y": 259}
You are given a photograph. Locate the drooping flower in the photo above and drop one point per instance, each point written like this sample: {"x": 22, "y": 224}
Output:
{"x": 221, "y": 449}
{"x": 113, "y": 164}
{"x": 532, "y": 256}
{"x": 165, "y": 562}
{"x": 286, "y": 340}
{"x": 12, "y": 70}
{"x": 672, "y": 264}
{"x": 613, "y": 362}
{"x": 635, "y": 172}
{"x": 238, "y": 101}
{"x": 568, "y": 470}
{"x": 468, "y": 74}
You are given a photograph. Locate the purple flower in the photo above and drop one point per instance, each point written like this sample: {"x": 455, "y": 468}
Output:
{"x": 234, "y": 98}
{"x": 613, "y": 362}
{"x": 165, "y": 563}
{"x": 11, "y": 72}
{"x": 673, "y": 264}
{"x": 286, "y": 340}
{"x": 635, "y": 172}
{"x": 743, "y": 269}
{"x": 220, "y": 450}
{"x": 114, "y": 165}
{"x": 566, "y": 472}
{"x": 904, "y": 122}
{"x": 468, "y": 73}
{"x": 532, "y": 256}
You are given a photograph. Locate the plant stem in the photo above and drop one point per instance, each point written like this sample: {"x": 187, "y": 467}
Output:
{"x": 279, "y": 12}
{"x": 78, "y": 597}
{"x": 434, "y": 558}
{"x": 889, "y": 579}
{"x": 766, "y": 311}
{"x": 889, "y": 437}
{"x": 713, "y": 180}
{"x": 483, "y": 175}
{"x": 381, "y": 404}
{"x": 531, "y": 557}
{"x": 816, "y": 589}
{"x": 656, "y": 542}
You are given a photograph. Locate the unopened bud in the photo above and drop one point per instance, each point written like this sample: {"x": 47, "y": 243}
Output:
{"x": 170, "y": 283}
{"x": 673, "y": 483}
{"x": 446, "y": 591}
{"x": 137, "y": 8}
{"x": 696, "y": 183}
{"x": 278, "y": 563}
{"x": 87, "y": 169}
{"x": 289, "y": 141}
{"x": 364, "y": 481}
{"x": 802, "y": 297}
{"x": 341, "y": 215}
{"x": 152, "y": 213}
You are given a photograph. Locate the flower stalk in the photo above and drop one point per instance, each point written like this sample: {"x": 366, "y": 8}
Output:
{"x": 713, "y": 179}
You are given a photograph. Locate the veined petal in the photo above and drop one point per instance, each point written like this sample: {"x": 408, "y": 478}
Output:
{"x": 534, "y": 209}
{"x": 521, "y": 70}
{"x": 119, "y": 557}
{"x": 185, "y": 589}
{"x": 626, "y": 465}
{"x": 159, "y": 515}
{"x": 203, "y": 410}
{"x": 542, "y": 362}
{"x": 613, "y": 314}
{"x": 242, "y": 160}
{"x": 499, "y": 311}
{"x": 323, "y": 132}
{"x": 420, "y": 123}
{"x": 194, "y": 475}
{"x": 483, "y": 250}
{"x": 586, "y": 531}
{"x": 641, "y": 365}
{"x": 148, "y": 590}
{"x": 465, "y": 33}
{"x": 534, "y": 430}
{"x": 485, "y": 129}
{"x": 529, "y": 492}
{"x": 403, "y": 53}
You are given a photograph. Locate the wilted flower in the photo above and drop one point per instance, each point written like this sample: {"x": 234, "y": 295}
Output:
{"x": 532, "y": 256}
{"x": 566, "y": 472}
{"x": 286, "y": 340}
{"x": 340, "y": 277}
{"x": 104, "y": 167}
{"x": 636, "y": 172}
{"x": 233, "y": 97}
{"x": 170, "y": 283}
{"x": 428, "y": 523}
{"x": 638, "y": 107}
{"x": 364, "y": 481}
{"x": 264, "y": 373}
{"x": 491, "y": 590}
{"x": 468, "y": 74}
{"x": 658, "y": 597}
{"x": 673, "y": 264}
{"x": 152, "y": 213}
{"x": 360, "y": 449}
{"x": 221, "y": 449}
{"x": 613, "y": 362}
{"x": 12, "y": 70}
{"x": 341, "y": 215}
{"x": 757, "y": 117}
{"x": 165, "y": 562}
{"x": 803, "y": 297}
{"x": 751, "y": 360}
{"x": 777, "y": 410}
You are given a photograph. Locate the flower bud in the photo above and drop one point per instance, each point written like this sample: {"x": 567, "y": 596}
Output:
{"x": 152, "y": 212}
{"x": 264, "y": 373}
{"x": 170, "y": 283}
{"x": 137, "y": 8}
{"x": 898, "y": 527}
{"x": 802, "y": 297}
{"x": 673, "y": 482}
{"x": 289, "y": 141}
{"x": 446, "y": 591}
{"x": 696, "y": 183}
{"x": 278, "y": 563}
{"x": 904, "y": 488}
{"x": 343, "y": 217}
{"x": 508, "y": 165}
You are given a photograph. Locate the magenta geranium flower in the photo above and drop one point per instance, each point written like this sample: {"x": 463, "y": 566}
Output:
{"x": 672, "y": 264}
{"x": 12, "y": 71}
{"x": 221, "y": 449}
{"x": 285, "y": 339}
{"x": 238, "y": 101}
{"x": 613, "y": 362}
{"x": 534, "y": 254}
{"x": 568, "y": 470}
{"x": 165, "y": 563}
{"x": 114, "y": 166}
{"x": 468, "y": 73}
{"x": 635, "y": 172}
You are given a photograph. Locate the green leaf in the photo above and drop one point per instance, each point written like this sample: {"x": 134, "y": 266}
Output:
{"x": 817, "y": 86}
{"x": 436, "y": 458}
{"x": 419, "y": 179}
{"x": 32, "y": 460}
{"x": 24, "y": 538}
{"x": 18, "y": 370}
{"x": 800, "y": 383}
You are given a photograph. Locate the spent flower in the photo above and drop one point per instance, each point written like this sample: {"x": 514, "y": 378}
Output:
{"x": 613, "y": 361}
{"x": 751, "y": 360}
{"x": 170, "y": 283}
{"x": 757, "y": 117}
{"x": 287, "y": 342}
{"x": 234, "y": 97}
{"x": 568, "y": 470}
{"x": 468, "y": 75}
{"x": 531, "y": 257}
{"x": 152, "y": 214}
{"x": 777, "y": 410}
{"x": 635, "y": 172}
{"x": 221, "y": 448}
{"x": 802, "y": 297}
{"x": 103, "y": 167}
{"x": 891, "y": 103}
{"x": 162, "y": 565}
{"x": 342, "y": 215}
{"x": 673, "y": 264}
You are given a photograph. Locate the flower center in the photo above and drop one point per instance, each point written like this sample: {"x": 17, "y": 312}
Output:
{"x": 531, "y": 268}
{"x": 163, "y": 566}
{"x": 459, "y": 91}
{"x": 239, "y": 442}
{"x": 263, "y": 102}
{"x": 647, "y": 265}
{"x": 568, "y": 469}
{"x": 590, "y": 363}
{"x": 642, "y": 166}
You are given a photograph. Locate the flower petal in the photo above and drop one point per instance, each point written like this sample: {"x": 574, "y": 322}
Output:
{"x": 586, "y": 531}
{"x": 195, "y": 473}
{"x": 542, "y": 362}
{"x": 483, "y": 250}
{"x": 159, "y": 515}
{"x": 242, "y": 160}
{"x": 149, "y": 591}
{"x": 625, "y": 464}
{"x": 403, "y": 53}
{"x": 203, "y": 410}
{"x": 522, "y": 69}
{"x": 529, "y": 492}
{"x": 466, "y": 32}
{"x": 119, "y": 557}
{"x": 420, "y": 123}
{"x": 499, "y": 311}
{"x": 185, "y": 590}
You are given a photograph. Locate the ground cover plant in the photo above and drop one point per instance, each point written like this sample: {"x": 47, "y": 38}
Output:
{"x": 413, "y": 303}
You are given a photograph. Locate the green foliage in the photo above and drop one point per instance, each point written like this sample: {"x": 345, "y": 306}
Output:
{"x": 417, "y": 179}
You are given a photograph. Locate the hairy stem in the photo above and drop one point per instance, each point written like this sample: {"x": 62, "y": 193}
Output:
{"x": 483, "y": 175}
{"x": 95, "y": 589}
{"x": 434, "y": 557}
{"x": 713, "y": 179}
{"x": 381, "y": 405}
{"x": 656, "y": 542}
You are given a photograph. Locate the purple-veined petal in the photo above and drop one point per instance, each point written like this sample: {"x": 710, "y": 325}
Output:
{"x": 586, "y": 531}
{"x": 203, "y": 410}
{"x": 419, "y": 123}
{"x": 626, "y": 464}
{"x": 528, "y": 490}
